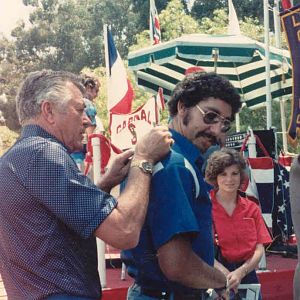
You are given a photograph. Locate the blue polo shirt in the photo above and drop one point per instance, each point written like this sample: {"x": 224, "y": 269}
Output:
{"x": 48, "y": 214}
{"x": 179, "y": 203}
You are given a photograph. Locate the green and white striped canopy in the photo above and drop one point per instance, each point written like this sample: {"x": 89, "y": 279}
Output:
{"x": 240, "y": 59}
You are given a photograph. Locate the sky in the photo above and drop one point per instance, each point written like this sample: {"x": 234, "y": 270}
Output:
{"x": 11, "y": 11}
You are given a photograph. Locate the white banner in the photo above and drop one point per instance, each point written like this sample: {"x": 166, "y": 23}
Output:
{"x": 127, "y": 129}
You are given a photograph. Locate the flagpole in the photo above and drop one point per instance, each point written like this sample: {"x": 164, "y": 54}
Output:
{"x": 267, "y": 61}
{"x": 281, "y": 101}
{"x": 105, "y": 26}
{"x": 97, "y": 175}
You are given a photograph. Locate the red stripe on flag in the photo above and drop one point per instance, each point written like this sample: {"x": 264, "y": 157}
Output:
{"x": 124, "y": 105}
{"x": 263, "y": 163}
{"x": 286, "y": 4}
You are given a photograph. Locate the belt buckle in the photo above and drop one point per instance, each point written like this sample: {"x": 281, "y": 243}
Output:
{"x": 164, "y": 295}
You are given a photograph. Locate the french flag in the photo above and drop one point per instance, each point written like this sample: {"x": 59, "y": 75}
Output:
{"x": 119, "y": 90}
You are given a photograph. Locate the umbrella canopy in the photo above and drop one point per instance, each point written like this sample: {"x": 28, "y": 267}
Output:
{"x": 239, "y": 58}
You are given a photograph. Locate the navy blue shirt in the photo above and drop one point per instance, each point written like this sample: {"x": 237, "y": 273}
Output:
{"x": 48, "y": 214}
{"x": 179, "y": 203}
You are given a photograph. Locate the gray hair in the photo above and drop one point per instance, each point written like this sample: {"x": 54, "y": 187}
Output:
{"x": 44, "y": 85}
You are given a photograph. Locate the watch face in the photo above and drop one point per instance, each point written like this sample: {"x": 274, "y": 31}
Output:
{"x": 147, "y": 166}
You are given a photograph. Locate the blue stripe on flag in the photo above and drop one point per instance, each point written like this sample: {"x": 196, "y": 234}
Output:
{"x": 112, "y": 51}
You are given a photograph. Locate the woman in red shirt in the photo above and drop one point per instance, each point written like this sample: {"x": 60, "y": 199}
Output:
{"x": 238, "y": 222}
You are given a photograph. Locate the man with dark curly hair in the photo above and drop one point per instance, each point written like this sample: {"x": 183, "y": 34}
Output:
{"x": 174, "y": 258}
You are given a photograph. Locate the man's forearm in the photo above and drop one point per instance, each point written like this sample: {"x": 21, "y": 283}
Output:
{"x": 200, "y": 275}
{"x": 180, "y": 263}
{"x": 122, "y": 227}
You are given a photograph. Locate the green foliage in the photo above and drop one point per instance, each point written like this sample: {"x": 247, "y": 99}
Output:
{"x": 205, "y": 9}
{"x": 7, "y": 139}
{"x": 12, "y": 71}
{"x": 175, "y": 22}
{"x": 69, "y": 34}
{"x": 217, "y": 24}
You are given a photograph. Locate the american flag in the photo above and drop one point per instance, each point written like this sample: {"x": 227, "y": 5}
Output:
{"x": 281, "y": 214}
{"x": 154, "y": 24}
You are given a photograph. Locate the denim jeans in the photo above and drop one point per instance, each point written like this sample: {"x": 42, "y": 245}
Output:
{"x": 134, "y": 293}
{"x": 66, "y": 297}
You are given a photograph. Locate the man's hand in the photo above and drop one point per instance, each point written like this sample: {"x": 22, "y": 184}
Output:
{"x": 116, "y": 172}
{"x": 154, "y": 145}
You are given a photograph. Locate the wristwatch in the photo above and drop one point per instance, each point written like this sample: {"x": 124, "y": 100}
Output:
{"x": 144, "y": 165}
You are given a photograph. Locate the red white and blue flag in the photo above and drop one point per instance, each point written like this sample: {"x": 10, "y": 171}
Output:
{"x": 281, "y": 214}
{"x": 154, "y": 24}
{"x": 119, "y": 90}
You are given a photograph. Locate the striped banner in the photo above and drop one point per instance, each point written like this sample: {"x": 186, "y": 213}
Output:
{"x": 291, "y": 24}
{"x": 240, "y": 59}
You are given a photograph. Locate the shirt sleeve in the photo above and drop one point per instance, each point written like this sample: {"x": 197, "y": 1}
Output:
{"x": 263, "y": 236}
{"x": 55, "y": 181}
{"x": 170, "y": 207}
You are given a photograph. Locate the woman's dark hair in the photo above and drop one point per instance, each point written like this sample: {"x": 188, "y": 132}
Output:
{"x": 222, "y": 159}
{"x": 198, "y": 86}
{"x": 89, "y": 82}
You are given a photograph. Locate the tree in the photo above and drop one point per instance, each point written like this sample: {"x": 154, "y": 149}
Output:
{"x": 245, "y": 9}
{"x": 142, "y": 7}
{"x": 69, "y": 34}
{"x": 12, "y": 72}
{"x": 174, "y": 22}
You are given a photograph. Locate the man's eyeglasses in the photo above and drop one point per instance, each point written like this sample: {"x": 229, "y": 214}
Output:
{"x": 211, "y": 117}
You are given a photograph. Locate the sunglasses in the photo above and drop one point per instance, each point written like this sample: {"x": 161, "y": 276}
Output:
{"x": 211, "y": 117}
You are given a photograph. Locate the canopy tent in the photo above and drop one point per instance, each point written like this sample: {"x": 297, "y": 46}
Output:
{"x": 239, "y": 58}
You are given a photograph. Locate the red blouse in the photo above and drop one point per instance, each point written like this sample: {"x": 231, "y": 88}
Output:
{"x": 239, "y": 233}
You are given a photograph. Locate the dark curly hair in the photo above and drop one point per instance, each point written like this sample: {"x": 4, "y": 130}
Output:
{"x": 220, "y": 160}
{"x": 89, "y": 82}
{"x": 198, "y": 86}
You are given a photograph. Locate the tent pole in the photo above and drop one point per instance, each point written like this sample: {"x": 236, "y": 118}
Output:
{"x": 282, "y": 102}
{"x": 96, "y": 177}
{"x": 237, "y": 122}
{"x": 267, "y": 58}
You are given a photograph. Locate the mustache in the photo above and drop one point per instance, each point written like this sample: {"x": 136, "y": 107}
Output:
{"x": 211, "y": 137}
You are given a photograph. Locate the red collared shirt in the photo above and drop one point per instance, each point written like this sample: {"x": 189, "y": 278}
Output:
{"x": 239, "y": 233}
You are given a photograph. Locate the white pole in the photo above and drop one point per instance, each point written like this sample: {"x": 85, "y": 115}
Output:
{"x": 282, "y": 102}
{"x": 253, "y": 153}
{"x": 105, "y": 32}
{"x": 237, "y": 122}
{"x": 283, "y": 125}
{"x": 267, "y": 61}
{"x": 100, "y": 243}
{"x": 251, "y": 144}
{"x": 106, "y": 49}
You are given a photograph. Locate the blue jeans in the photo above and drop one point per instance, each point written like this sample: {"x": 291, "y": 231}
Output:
{"x": 134, "y": 293}
{"x": 66, "y": 297}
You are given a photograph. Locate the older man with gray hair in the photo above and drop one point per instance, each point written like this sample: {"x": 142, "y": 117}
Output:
{"x": 50, "y": 213}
